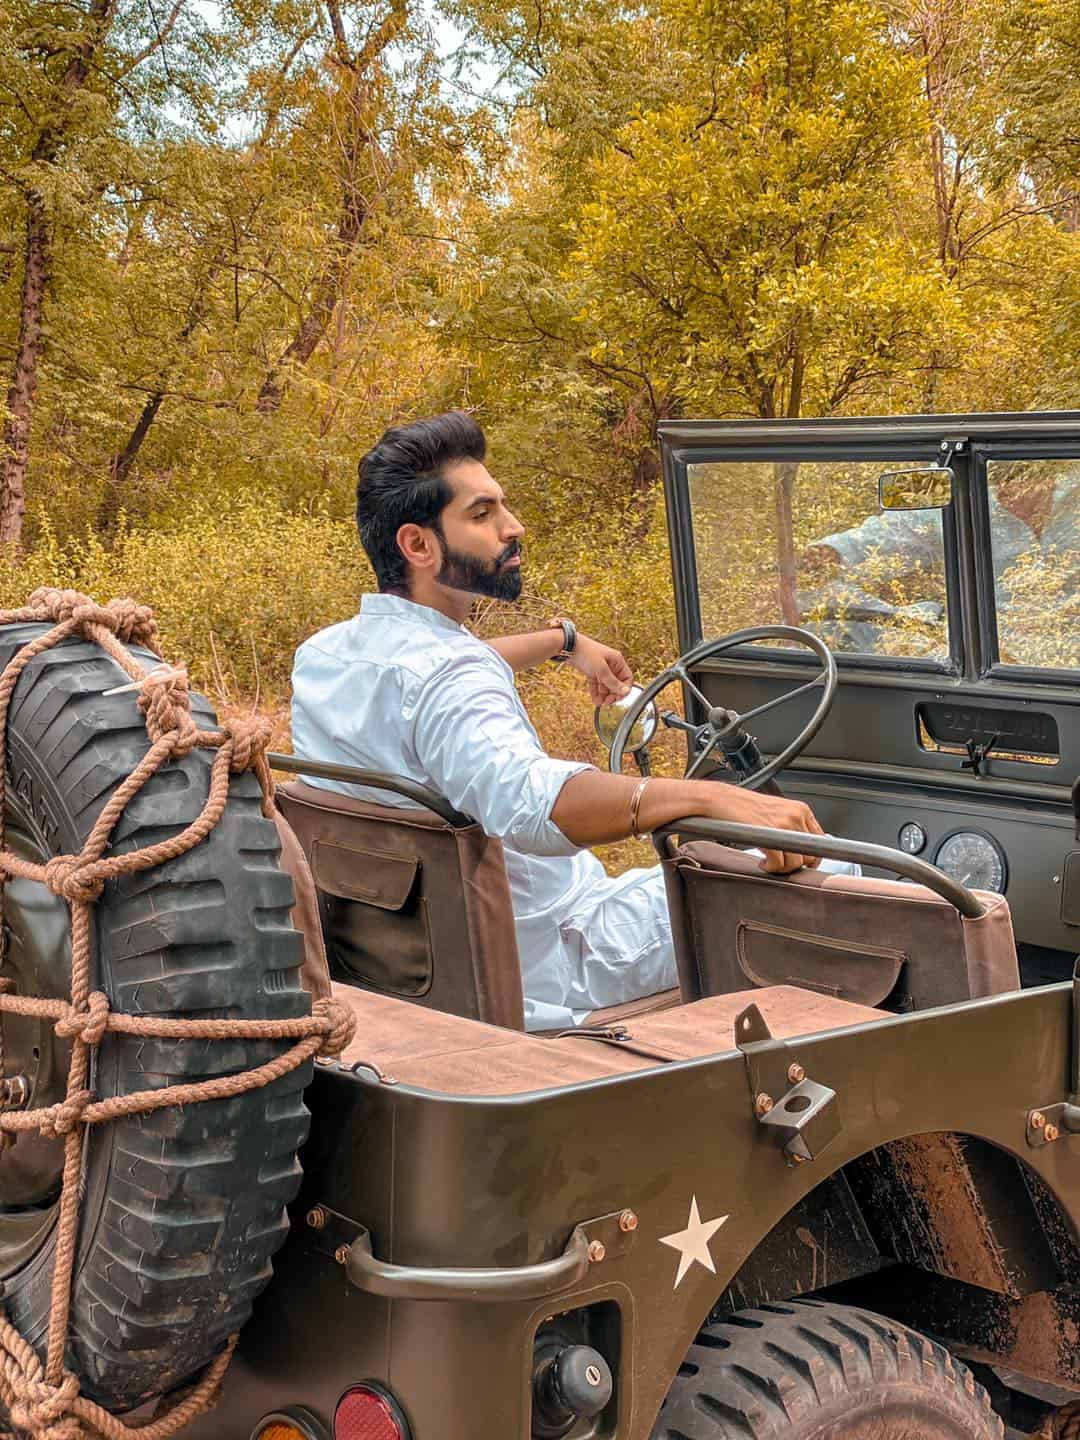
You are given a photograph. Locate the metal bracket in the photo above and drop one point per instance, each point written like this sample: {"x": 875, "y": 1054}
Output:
{"x": 801, "y": 1113}
{"x": 1048, "y": 1123}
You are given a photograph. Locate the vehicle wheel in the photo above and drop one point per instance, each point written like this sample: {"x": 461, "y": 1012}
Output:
{"x": 182, "y": 1209}
{"x": 811, "y": 1371}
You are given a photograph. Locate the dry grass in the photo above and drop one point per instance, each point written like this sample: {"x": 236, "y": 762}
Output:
{"x": 235, "y": 593}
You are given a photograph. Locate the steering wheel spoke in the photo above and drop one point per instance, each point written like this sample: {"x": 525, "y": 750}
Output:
{"x": 699, "y": 760}
{"x": 773, "y": 704}
{"x": 733, "y": 727}
{"x": 679, "y": 672}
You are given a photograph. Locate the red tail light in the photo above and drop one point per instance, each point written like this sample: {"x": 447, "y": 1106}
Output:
{"x": 367, "y": 1412}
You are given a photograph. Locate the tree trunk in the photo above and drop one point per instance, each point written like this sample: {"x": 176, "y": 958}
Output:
{"x": 786, "y": 473}
{"x": 23, "y": 388}
{"x": 359, "y": 138}
{"x": 15, "y": 444}
{"x": 124, "y": 459}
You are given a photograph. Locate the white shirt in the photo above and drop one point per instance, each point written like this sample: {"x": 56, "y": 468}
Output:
{"x": 403, "y": 689}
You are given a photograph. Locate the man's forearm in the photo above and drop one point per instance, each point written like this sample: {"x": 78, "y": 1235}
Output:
{"x": 522, "y": 652}
{"x": 594, "y": 808}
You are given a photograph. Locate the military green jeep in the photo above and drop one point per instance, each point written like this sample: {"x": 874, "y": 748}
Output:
{"x": 829, "y": 1187}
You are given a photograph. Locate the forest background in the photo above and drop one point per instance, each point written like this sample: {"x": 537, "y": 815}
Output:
{"x": 238, "y": 238}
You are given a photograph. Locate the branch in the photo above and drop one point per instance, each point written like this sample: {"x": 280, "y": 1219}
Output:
{"x": 162, "y": 34}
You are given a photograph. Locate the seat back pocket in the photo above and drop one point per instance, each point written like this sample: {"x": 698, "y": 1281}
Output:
{"x": 374, "y": 918}
{"x": 848, "y": 970}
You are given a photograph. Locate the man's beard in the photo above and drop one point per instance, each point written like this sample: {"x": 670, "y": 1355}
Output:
{"x": 462, "y": 571}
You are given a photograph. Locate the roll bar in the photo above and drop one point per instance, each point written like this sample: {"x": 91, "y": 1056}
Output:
{"x": 829, "y": 847}
{"x": 374, "y": 780}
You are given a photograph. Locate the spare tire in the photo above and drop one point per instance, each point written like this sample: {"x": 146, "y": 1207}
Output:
{"x": 182, "y": 1209}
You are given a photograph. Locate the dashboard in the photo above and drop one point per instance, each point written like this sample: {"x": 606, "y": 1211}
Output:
{"x": 972, "y": 857}
{"x": 1030, "y": 855}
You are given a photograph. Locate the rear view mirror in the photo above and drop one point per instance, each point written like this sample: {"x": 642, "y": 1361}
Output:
{"x": 607, "y": 719}
{"x": 928, "y": 487}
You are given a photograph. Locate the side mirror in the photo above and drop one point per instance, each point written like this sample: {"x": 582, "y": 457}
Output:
{"x": 607, "y": 719}
{"x": 928, "y": 487}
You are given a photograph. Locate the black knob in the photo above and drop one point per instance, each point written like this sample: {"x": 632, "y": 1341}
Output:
{"x": 571, "y": 1383}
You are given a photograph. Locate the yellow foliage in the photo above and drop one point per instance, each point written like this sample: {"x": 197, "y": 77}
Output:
{"x": 234, "y": 592}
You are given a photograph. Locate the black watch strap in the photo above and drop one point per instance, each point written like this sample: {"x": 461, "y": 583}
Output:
{"x": 569, "y": 630}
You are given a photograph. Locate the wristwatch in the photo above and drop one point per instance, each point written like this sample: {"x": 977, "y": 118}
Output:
{"x": 569, "y": 630}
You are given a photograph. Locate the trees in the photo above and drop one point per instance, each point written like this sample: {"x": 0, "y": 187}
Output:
{"x": 238, "y": 240}
{"x": 55, "y": 98}
{"x": 230, "y": 251}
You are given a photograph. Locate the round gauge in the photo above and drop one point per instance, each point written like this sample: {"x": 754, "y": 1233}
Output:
{"x": 974, "y": 859}
{"x": 912, "y": 838}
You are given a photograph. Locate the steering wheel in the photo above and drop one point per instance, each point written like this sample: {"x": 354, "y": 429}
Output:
{"x": 724, "y": 729}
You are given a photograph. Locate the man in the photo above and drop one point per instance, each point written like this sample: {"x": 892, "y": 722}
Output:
{"x": 404, "y": 688}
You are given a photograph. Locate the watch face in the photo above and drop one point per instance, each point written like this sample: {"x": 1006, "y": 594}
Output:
{"x": 974, "y": 860}
{"x": 912, "y": 838}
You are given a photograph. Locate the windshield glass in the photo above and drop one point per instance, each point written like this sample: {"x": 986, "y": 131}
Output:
{"x": 803, "y": 543}
{"x": 1035, "y": 544}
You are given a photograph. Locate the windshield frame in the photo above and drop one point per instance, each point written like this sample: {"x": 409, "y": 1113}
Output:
{"x": 677, "y": 462}
{"x": 1066, "y": 448}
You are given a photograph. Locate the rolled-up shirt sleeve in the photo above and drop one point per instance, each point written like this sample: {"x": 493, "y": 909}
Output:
{"x": 472, "y": 738}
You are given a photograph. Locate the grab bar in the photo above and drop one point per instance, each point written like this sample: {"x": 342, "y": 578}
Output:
{"x": 829, "y": 847}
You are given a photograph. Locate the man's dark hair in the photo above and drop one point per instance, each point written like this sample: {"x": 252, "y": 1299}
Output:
{"x": 402, "y": 482}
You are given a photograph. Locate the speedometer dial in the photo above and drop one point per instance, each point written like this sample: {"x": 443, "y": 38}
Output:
{"x": 974, "y": 859}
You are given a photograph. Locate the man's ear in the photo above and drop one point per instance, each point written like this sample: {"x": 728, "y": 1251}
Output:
{"x": 418, "y": 545}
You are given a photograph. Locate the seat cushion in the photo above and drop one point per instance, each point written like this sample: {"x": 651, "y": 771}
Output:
{"x": 631, "y": 1009}
{"x": 410, "y": 1045}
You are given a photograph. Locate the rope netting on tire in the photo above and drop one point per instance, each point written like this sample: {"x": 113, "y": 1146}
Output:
{"x": 42, "y": 1396}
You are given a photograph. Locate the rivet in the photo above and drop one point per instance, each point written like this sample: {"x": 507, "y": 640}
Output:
{"x": 341, "y": 1254}
{"x": 1038, "y": 1120}
{"x": 316, "y": 1217}
{"x": 796, "y": 1074}
{"x": 597, "y": 1251}
{"x": 763, "y": 1104}
{"x": 1051, "y": 1132}
{"x": 592, "y": 1374}
{"x": 628, "y": 1222}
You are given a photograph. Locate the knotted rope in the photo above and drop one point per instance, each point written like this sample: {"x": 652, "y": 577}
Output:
{"x": 43, "y": 1399}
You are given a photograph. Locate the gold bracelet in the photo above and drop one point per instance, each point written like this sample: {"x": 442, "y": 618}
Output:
{"x": 635, "y": 806}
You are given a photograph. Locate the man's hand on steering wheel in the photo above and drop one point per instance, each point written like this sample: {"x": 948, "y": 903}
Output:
{"x": 605, "y": 669}
{"x": 723, "y": 735}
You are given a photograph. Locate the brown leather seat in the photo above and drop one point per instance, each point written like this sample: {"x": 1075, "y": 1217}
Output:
{"x": 410, "y": 905}
{"x": 873, "y": 942}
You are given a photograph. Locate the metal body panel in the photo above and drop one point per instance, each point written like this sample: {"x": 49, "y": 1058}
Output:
{"x": 445, "y": 1181}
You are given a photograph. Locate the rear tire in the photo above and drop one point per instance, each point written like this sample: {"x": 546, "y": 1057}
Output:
{"x": 182, "y": 1209}
{"x": 806, "y": 1370}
